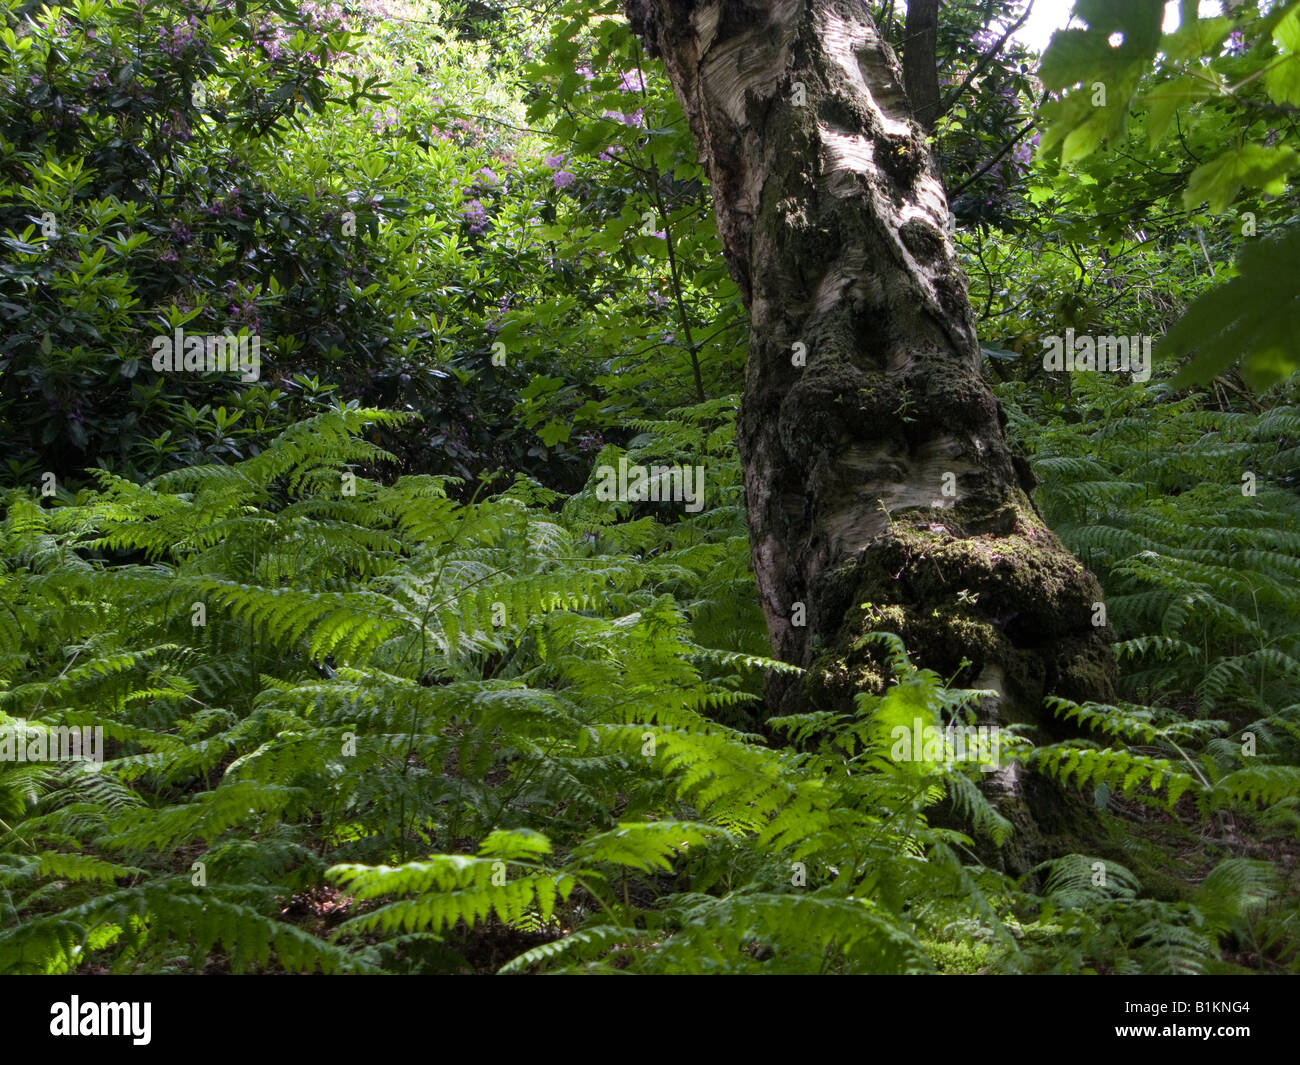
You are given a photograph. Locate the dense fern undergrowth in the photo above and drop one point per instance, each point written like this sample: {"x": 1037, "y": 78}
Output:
{"x": 350, "y": 723}
{"x": 386, "y": 684}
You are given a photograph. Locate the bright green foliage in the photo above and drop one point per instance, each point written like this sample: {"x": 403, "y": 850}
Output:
{"x": 387, "y": 670}
{"x": 1189, "y": 519}
{"x": 1106, "y": 60}
{"x": 360, "y": 715}
{"x": 1214, "y": 97}
{"x": 353, "y": 697}
{"x": 1189, "y": 522}
{"x": 1255, "y": 312}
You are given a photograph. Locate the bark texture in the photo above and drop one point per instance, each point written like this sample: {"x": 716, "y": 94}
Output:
{"x": 920, "y": 65}
{"x": 880, "y": 490}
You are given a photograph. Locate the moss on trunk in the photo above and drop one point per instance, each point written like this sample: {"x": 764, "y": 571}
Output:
{"x": 880, "y": 490}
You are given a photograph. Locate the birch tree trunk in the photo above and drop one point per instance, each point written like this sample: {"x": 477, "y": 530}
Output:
{"x": 881, "y": 492}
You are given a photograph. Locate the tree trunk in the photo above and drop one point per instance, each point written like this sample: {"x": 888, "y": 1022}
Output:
{"x": 881, "y": 493}
{"x": 920, "y": 65}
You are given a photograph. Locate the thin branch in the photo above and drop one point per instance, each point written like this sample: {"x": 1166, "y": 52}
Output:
{"x": 992, "y": 162}
{"x": 947, "y": 104}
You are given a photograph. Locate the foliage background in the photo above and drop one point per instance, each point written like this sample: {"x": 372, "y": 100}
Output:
{"x": 448, "y": 712}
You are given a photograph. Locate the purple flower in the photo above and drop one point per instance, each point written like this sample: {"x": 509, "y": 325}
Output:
{"x": 636, "y": 119}
{"x": 175, "y": 43}
{"x": 632, "y": 81}
{"x": 563, "y": 179}
{"x": 475, "y": 214}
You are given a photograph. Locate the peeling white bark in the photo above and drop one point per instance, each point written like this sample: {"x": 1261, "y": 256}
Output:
{"x": 833, "y": 221}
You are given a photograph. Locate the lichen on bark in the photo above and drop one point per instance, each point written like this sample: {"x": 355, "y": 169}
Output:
{"x": 876, "y": 470}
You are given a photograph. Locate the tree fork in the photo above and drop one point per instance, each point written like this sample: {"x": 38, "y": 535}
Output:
{"x": 880, "y": 489}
